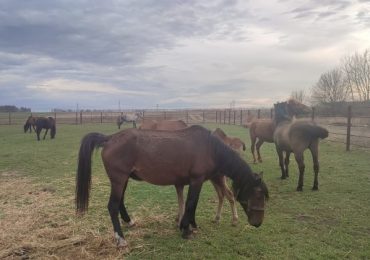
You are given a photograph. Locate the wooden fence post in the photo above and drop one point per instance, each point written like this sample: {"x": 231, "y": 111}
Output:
{"x": 225, "y": 116}
{"x": 101, "y": 117}
{"x": 81, "y": 117}
{"x": 229, "y": 115}
{"x": 259, "y": 113}
{"x": 313, "y": 114}
{"x": 216, "y": 115}
{"x": 241, "y": 116}
{"x": 204, "y": 120}
{"x": 271, "y": 113}
{"x": 76, "y": 117}
{"x": 10, "y": 118}
{"x": 234, "y": 117}
{"x": 349, "y": 117}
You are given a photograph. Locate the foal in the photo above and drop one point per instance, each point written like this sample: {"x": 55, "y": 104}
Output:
{"x": 295, "y": 136}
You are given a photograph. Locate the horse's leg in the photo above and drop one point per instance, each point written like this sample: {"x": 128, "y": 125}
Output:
{"x": 253, "y": 144}
{"x": 180, "y": 200}
{"x": 314, "y": 148}
{"x": 34, "y": 128}
{"x": 258, "y": 145}
{"x": 301, "y": 166}
{"x": 287, "y": 156}
{"x": 190, "y": 207}
{"x": 117, "y": 185}
{"x": 230, "y": 197}
{"x": 47, "y": 129}
{"x": 38, "y": 131}
{"x": 217, "y": 184}
{"x": 122, "y": 208}
{"x": 281, "y": 162}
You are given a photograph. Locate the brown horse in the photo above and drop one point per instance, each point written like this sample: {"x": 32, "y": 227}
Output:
{"x": 219, "y": 181}
{"x": 262, "y": 130}
{"x": 295, "y": 136}
{"x": 234, "y": 142}
{"x": 185, "y": 157}
{"x": 45, "y": 123}
{"x": 30, "y": 123}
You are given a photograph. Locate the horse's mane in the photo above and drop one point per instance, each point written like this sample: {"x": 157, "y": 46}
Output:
{"x": 232, "y": 165}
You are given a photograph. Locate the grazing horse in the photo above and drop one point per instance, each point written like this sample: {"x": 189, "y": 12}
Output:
{"x": 218, "y": 181}
{"x": 30, "y": 123}
{"x": 45, "y": 123}
{"x": 184, "y": 157}
{"x": 262, "y": 130}
{"x": 128, "y": 117}
{"x": 295, "y": 136}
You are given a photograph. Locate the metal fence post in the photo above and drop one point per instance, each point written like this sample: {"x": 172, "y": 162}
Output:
{"x": 10, "y": 118}
{"x": 259, "y": 113}
{"x": 101, "y": 117}
{"x": 271, "y": 113}
{"x": 234, "y": 117}
{"x": 204, "y": 120}
{"x": 81, "y": 117}
{"x": 224, "y": 116}
{"x": 349, "y": 117}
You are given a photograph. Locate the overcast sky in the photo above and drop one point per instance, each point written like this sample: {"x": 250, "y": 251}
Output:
{"x": 177, "y": 54}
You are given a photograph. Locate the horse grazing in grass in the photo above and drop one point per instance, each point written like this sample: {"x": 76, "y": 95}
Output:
{"x": 128, "y": 117}
{"x": 45, "y": 123}
{"x": 30, "y": 123}
{"x": 218, "y": 181}
{"x": 184, "y": 157}
{"x": 262, "y": 130}
{"x": 295, "y": 136}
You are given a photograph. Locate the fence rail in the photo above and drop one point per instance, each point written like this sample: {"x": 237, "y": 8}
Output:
{"x": 352, "y": 129}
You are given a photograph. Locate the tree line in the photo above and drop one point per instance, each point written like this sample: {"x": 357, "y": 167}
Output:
{"x": 350, "y": 81}
{"x": 8, "y": 108}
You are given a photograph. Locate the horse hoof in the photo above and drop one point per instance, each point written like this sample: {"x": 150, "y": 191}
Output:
{"x": 299, "y": 188}
{"x": 315, "y": 188}
{"x": 131, "y": 224}
{"x": 187, "y": 234}
{"x": 283, "y": 177}
{"x": 234, "y": 223}
{"x": 121, "y": 243}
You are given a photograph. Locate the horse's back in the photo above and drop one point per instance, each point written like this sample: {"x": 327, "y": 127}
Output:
{"x": 263, "y": 129}
{"x": 171, "y": 125}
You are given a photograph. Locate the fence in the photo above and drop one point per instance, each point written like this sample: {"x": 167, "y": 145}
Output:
{"x": 349, "y": 125}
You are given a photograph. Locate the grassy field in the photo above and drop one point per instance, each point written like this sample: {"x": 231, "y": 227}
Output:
{"x": 37, "y": 217}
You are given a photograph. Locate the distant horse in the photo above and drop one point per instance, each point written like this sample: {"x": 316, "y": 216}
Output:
{"x": 45, "y": 123}
{"x": 233, "y": 142}
{"x": 128, "y": 117}
{"x": 185, "y": 157}
{"x": 262, "y": 130}
{"x": 30, "y": 123}
{"x": 295, "y": 136}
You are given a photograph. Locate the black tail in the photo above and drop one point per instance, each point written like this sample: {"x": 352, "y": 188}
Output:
{"x": 26, "y": 126}
{"x": 314, "y": 131}
{"x": 83, "y": 178}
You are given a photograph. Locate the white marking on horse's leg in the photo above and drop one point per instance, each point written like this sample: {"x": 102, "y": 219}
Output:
{"x": 131, "y": 223}
{"x": 230, "y": 196}
{"x": 121, "y": 242}
{"x": 181, "y": 202}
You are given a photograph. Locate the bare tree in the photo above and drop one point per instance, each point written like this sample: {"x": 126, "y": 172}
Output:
{"x": 357, "y": 75}
{"x": 299, "y": 95}
{"x": 330, "y": 88}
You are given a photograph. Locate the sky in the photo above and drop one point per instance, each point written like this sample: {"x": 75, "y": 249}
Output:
{"x": 144, "y": 54}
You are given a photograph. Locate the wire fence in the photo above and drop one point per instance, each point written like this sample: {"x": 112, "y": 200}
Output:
{"x": 349, "y": 126}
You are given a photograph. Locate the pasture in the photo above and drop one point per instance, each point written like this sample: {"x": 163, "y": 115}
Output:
{"x": 37, "y": 214}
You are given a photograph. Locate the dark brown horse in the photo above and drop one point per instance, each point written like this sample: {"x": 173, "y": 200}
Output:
{"x": 184, "y": 157}
{"x": 218, "y": 181}
{"x": 295, "y": 136}
{"x": 30, "y": 123}
{"x": 45, "y": 123}
{"x": 262, "y": 130}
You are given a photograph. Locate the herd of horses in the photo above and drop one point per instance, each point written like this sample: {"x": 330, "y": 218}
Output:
{"x": 169, "y": 152}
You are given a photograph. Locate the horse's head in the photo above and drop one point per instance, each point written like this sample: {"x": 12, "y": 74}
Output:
{"x": 294, "y": 108}
{"x": 252, "y": 199}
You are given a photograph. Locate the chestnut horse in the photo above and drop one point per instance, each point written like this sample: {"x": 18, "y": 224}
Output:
{"x": 262, "y": 130}
{"x": 295, "y": 136}
{"x": 233, "y": 142}
{"x": 184, "y": 157}
{"x": 45, "y": 123}
{"x": 30, "y": 123}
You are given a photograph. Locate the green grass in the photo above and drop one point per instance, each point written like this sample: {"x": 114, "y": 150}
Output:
{"x": 329, "y": 224}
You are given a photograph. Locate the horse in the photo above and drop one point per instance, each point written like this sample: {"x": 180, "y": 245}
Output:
{"x": 45, "y": 123}
{"x": 295, "y": 136}
{"x": 234, "y": 142}
{"x": 128, "y": 117}
{"x": 219, "y": 181}
{"x": 262, "y": 130}
{"x": 184, "y": 157}
{"x": 30, "y": 123}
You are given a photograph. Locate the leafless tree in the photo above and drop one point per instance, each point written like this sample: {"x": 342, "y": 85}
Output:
{"x": 330, "y": 88}
{"x": 299, "y": 95}
{"x": 357, "y": 75}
